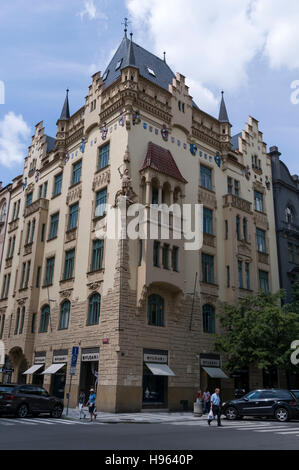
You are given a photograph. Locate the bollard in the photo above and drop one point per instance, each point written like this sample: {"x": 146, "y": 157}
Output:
{"x": 198, "y": 409}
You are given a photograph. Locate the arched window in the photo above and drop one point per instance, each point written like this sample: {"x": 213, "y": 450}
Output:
{"x": 208, "y": 315}
{"x": 65, "y": 310}
{"x": 94, "y": 309}
{"x": 3, "y": 212}
{"x": 44, "y": 319}
{"x": 156, "y": 310}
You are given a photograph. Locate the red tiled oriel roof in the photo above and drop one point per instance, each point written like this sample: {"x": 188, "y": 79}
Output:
{"x": 161, "y": 160}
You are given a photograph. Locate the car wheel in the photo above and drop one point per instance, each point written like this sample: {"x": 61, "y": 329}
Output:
{"x": 56, "y": 412}
{"x": 281, "y": 414}
{"x": 231, "y": 413}
{"x": 22, "y": 411}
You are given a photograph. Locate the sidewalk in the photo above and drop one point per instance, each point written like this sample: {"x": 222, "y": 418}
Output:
{"x": 149, "y": 418}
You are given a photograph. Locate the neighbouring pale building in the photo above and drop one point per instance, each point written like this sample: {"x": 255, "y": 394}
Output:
{"x": 142, "y": 312}
{"x": 4, "y": 208}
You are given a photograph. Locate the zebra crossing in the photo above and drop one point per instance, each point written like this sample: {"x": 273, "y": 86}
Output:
{"x": 45, "y": 421}
{"x": 282, "y": 429}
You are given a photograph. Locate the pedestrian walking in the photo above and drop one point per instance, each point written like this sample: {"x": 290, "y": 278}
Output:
{"x": 206, "y": 401}
{"x": 92, "y": 405}
{"x": 215, "y": 409}
{"x": 81, "y": 404}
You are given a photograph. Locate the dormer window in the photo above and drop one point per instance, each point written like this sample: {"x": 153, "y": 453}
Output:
{"x": 151, "y": 72}
{"x": 105, "y": 75}
{"x": 118, "y": 65}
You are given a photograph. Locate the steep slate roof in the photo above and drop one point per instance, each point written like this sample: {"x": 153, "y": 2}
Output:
{"x": 223, "y": 116}
{"x": 161, "y": 160}
{"x": 65, "y": 113}
{"x": 133, "y": 55}
{"x": 50, "y": 143}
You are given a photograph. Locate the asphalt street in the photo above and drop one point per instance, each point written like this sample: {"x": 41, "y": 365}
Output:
{"x": 50, "y": 434}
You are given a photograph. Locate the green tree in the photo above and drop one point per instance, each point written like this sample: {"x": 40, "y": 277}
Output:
{"x": 257, "y": 331}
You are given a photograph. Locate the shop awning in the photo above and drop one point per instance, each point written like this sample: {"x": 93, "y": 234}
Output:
{"x": 33, "y": 369}
{"x": 215, "y": 373}
{"x": 53, "y": 369}
{"x": 160, "y": 369}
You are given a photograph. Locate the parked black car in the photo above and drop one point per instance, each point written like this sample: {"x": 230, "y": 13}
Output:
{"x": 22, "y": 400}
{"x": 279, "y": 404}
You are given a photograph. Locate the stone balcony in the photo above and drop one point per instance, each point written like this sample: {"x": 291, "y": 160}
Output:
{"x": 36, "y": 206}
{"x": 70, "y": 235}
{"x": 13, "y": 225}
{"x": 263, "y": 258}
{"x": 8, "y": 263}
{"x": 209, "y": 240}
{"x": 230, "y": 200}
{"x": 28, "y": 249}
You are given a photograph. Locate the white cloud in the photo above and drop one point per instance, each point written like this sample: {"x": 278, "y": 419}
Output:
{"x": 14, "y": 135}
{"x": 213, "y": 43}
{"x": 92, "y": 12}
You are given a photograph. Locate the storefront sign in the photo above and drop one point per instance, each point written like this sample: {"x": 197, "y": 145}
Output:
{"x": 90, "y": 357}
{"x": 40, "y": 358}
{"x": 157, "y": 358}
{"x": 210, "y": 360}
{"x": 59, "y": 359}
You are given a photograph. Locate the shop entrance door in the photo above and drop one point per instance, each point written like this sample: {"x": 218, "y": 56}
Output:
{"x": 89, "y": 377}
{"x": 155, "y": 390}
{"x": 58, "y": 383}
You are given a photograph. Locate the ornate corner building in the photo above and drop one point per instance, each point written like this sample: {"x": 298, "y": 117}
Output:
{"x": 142, "y": 312}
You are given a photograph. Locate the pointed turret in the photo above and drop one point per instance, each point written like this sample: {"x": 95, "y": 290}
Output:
{"x": 223, "y": 116}
{"x": 65, "y": 113}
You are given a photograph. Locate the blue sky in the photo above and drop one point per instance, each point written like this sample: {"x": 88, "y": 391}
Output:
{"x": 249, "y": 49}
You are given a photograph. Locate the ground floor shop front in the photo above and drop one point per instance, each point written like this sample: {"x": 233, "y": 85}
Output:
{"x": 157, "y": 380}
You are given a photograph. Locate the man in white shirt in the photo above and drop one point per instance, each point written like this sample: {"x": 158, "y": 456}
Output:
{"x": 215, "y": 406}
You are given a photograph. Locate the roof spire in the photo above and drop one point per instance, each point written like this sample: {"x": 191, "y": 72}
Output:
{"x": 223, "y": 116}
{"x": 130, "y": 60}
{"x": 65, "y": 113}
{"x": 126, "y": 24}
{"x": 164, "y": 53}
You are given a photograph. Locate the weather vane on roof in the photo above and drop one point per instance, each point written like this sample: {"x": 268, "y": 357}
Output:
{"x": 126, "y": 24}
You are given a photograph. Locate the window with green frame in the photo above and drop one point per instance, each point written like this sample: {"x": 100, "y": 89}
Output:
{"x": 258, "y": 201}
{"x": 23, "y": 276}
{"x": 165, "y": 256}
{"x": 22, "y": 321}
{"x": 17, "y": 321}
{"x": 54, "y": 226}
{"x": 175, "y": 258}
{"x": 65, "y": 310}
{"x": 69, "y": 264}
{"x": 240, "y": 273}
{"x": 73, "y": 216}
{"x": 77, "y": 170}
{"x": 57, "y": 185}
{"x": 208, "y": 316}
{"x": 208, "y": 221}
{"x": 28, "y": 233}
{"x": 264, "y": 281}
{"x": 207, "y": 268}
{"x": 2, "y": 326}
{"x": 206, "y": 177}
{"x": 94, "y": 309}
{"x": 156, "y": 254}
{"x": 103, "y": 160}
{"x": 238, "y": 227}
{"x": 32, "y": 231}
{"x": 27, "y": 274}
{"x": 245, "y": 229}
{"x": 247, "y": 271}
{"x": 155, "y": 310}
{"x": 97, "y": 255}
{"x": 49, "y": 271}
{"x": 261, "y": 241}
{"x": 29, "y": 199}
{"x": 101, "y": 201}
{"x": 44, "y": 319}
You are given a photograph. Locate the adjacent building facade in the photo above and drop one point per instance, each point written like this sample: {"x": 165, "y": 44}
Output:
{"x": 286, "y": 203}
{"x": 4, "y": 209}
{"x": 141, "y": 311}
